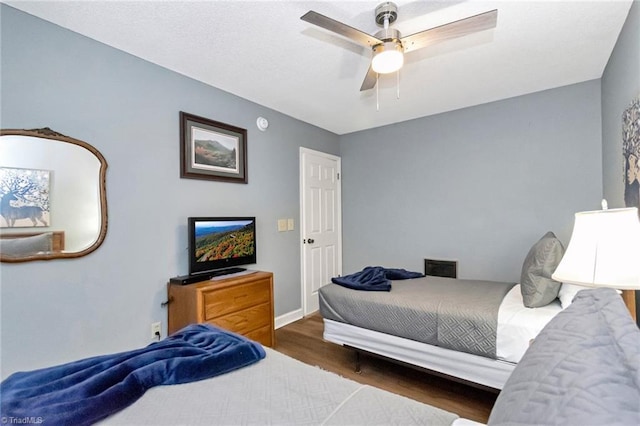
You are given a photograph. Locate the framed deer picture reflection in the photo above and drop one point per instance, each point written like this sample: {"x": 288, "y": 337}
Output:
{"x": 25, "y": 197}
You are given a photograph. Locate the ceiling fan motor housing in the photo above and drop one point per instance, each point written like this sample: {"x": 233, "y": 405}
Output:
{"x": 390, "y": 34}
{"x": 387, "y": 10}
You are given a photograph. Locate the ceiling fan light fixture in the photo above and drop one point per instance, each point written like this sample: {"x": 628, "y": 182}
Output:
{"x": 388, "y": 57}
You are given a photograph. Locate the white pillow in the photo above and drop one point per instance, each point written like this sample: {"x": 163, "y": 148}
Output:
{"x": 567, "y": 293}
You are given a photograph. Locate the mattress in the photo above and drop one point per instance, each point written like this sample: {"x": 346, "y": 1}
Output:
{"x": 409, "y": 312}
{"x": 277, "y": 390}
{"x": 451, "y": 313}
{"x": 517, "y": 326}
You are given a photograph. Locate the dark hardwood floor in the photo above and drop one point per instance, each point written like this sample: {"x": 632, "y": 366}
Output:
{"x": 303, "y": 340}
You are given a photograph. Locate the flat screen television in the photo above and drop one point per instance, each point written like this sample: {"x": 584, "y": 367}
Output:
{"x": 218, "y": 245}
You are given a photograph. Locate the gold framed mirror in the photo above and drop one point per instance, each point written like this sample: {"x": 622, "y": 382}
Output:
{"x": 54, "y": 200}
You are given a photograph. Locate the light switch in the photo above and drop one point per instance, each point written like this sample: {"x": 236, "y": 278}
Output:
{"x": 290, "y": 226}
{"x": 282, "y": 225}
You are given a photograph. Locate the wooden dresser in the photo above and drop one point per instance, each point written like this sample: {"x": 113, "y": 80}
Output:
{"x": 242, "y": 304}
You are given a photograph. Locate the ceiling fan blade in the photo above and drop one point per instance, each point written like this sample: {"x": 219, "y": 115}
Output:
{"x": 472, "y": 24}
{"x": 369, "y": 80}
{"x": 340, "y": 28}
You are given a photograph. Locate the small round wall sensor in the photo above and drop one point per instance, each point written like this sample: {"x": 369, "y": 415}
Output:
{"x": 262, "y": 123}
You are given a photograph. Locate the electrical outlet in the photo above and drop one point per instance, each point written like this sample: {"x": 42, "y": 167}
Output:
{"x": 156, "y": 330}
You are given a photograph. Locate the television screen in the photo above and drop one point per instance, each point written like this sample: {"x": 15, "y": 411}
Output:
{"x": 217, "y": 243}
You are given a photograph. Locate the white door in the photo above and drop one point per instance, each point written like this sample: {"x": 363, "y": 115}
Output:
{"x": 321, "y": 223}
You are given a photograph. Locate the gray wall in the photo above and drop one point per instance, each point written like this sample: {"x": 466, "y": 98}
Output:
{"x": 57, "y": 311}
{"x": 478, "y": 185}
{"x": 620, "y": 85}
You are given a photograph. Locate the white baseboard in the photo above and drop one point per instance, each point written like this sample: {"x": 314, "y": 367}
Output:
{"x": 288, "y": 318}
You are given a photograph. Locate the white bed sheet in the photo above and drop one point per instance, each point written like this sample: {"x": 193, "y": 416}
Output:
{"x": 517, "y": 324}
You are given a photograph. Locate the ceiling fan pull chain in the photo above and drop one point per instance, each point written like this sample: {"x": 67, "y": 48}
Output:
{"x": 398, "y": 84}
{"x": 377, "y": 93}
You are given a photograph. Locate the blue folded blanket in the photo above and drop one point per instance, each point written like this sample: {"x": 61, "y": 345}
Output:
{"x": 85, "y": 391}
{"x": 374, "y": 278}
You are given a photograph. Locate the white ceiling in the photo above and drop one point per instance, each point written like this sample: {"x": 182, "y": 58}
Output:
{"x": 263, "y": 52}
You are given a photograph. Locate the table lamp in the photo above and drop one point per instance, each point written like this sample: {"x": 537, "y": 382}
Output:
{"x": 604, "y": 251}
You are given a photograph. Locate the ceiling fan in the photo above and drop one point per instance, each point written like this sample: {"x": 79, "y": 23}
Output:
{"x": 389, "y": 47}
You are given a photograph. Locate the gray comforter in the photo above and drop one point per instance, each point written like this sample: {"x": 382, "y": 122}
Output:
{"x": 278, "y": 390}
{"x": 452, "y": 313}
{"x": 582, "y": 369}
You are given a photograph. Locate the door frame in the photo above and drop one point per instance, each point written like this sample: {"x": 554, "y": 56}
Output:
{"x": 302, "y": 220}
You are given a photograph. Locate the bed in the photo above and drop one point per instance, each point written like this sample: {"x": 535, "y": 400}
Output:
{"x": 583, "y": 368}
{"x": 472, "y": 330}
{"x": 277, "y": 390}
{"x": 202, "y": 375}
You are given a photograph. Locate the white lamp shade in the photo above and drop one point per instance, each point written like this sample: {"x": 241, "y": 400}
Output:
{"x": 604, "y": 250}
{"x": 387, "y": 58}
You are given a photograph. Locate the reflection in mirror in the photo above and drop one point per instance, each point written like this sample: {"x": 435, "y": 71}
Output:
{"x": 54, "y": 202}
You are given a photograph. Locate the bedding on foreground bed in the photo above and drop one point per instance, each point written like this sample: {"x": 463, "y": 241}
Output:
{"x": 582, "y": 369}
{"x": 215, "y": 379}
{"x": 88, "y": 390}
{"x": 278, "y": 390}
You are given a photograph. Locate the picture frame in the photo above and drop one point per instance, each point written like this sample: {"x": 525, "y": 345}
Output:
{"x": 24, "y": 197}
{"x": 631, "y": 154}
{"x": 212, "y": 150}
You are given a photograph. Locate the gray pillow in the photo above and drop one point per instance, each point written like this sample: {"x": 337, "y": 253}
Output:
{"x": 536, "y": 285}
{"x": 27, "y": 245}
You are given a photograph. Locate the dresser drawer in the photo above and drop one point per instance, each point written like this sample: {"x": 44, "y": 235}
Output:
{"x": 242, "y": 304}
{"x": 244, "y": 321}
{"x": 223, "y": 301}
{"x": 261, "y": 335}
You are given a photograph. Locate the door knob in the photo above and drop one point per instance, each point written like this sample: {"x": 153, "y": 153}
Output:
{"x": 311, "y": 241}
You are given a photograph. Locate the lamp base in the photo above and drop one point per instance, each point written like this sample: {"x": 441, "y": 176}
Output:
{"x": 629, "y": 297}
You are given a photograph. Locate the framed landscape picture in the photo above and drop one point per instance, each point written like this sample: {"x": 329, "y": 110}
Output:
{"x": 212, "y": 150}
